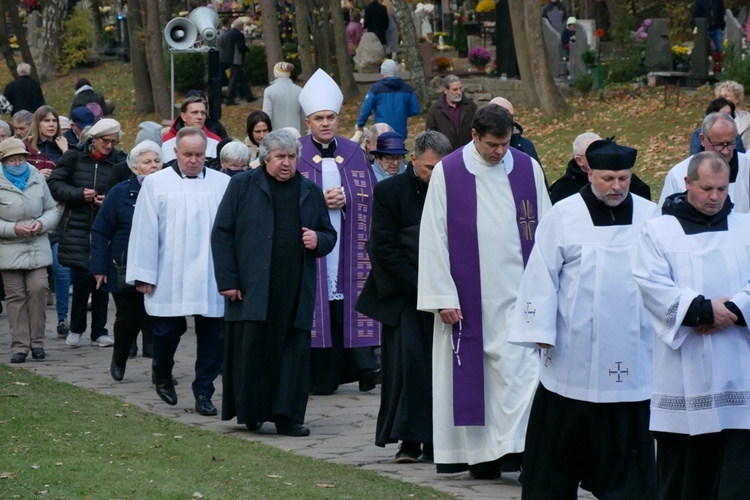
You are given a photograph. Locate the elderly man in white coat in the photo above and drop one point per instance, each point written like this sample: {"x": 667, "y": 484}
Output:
{"x": 719, "y": 134}
{"x": 169, "y": 259}
{"x": 281, "y": 99}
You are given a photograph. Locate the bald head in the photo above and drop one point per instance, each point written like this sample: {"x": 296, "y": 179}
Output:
{"x": 504, "y": 103}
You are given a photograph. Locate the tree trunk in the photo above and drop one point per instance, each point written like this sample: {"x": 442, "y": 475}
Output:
{"x": 517, "y": 19}
{"x": 301, "y": 14}
{"x": 413, "y": 57}
{"x": 320, "y": 36}
{"x": 155, "y": 59}
{"x": 23, "y": 41}
{"x": 53, "y": 16}
{"x": 144, "y": 98}
{"x": 343, "y": 61}
{"x": 5, "y": 44}
{"x": 271, "y": 35}
{"x": 96, "y": 16}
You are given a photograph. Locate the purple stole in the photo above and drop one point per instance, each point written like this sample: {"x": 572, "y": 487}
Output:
{"x": 354, "y": 264}
{"x": 463, "y": 246}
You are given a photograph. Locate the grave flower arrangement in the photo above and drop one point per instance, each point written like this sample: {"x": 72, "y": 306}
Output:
{"x": 479, "y": 57}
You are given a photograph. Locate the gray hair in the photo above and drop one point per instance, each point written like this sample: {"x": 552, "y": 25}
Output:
{"x": 134, "y": 157}
{"x": 731, "y": 88}
{"x": 4, "y": 125}
{"x": 24, "y": 116}
{"x": 235, "y": 151}
{"x": 710, "y": 120}
{"x": 431, "y": 140}
{"x": 188, "y": 131}
{"x": 585, "y": 139}
{"x": 23, "y": 69}
{"x": 711, "y": 159}
{"x": 376, "y": 130}
{"x": 278, "y": 139}
{"x": 448, "y": 80}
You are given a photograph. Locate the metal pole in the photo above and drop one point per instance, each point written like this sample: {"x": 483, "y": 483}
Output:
{"x": 171, "y": 68}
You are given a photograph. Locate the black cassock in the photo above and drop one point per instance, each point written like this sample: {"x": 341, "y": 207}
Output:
{"x": 266, "y": 363}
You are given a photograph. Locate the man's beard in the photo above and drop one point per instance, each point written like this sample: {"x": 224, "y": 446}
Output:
{"x": 455, "y": 99}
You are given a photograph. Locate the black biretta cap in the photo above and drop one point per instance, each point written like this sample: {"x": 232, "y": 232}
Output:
{"x": 606, "y": 154}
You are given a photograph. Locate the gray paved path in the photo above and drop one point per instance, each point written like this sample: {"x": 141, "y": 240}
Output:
{"x": 342, "y": 425}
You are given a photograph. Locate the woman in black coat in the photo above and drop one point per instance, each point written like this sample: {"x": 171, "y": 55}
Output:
{"x": 109, "y": 248}
{"x": 79, "y": 181}
{"x": 270, "y": 229}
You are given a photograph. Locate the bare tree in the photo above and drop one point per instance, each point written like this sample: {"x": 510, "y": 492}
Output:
{"x": 541, "y": 90}
{"x": 413, "y": 57}
{"x": 155, "y": 59}
{"x": 20, "y": 33}
{"x": 343, "y": 61}
{"x": 301, "y": 14}
{"x": 271, "y": 34}
{"x": 5, "y": 48}
{"x": 144, "y": 98}
{"x": 53, "y": 16}
{"x": 96, "y": 16}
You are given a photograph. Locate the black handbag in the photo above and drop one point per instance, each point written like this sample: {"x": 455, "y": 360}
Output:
{"x": 122, "y": 270}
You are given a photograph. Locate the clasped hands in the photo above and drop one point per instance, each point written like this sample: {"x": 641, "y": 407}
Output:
{"x": 723, "y": 317}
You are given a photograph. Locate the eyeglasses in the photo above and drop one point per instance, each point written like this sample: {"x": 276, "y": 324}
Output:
{"x": 392, "y": 158}
{"x": 729, "y": 146}
{"x": 109, "y": 142}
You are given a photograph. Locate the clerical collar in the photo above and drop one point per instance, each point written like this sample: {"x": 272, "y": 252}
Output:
{"x": 201, "y": 174}
{"x": 693, "y": 221}
{"x": 326, "y": 150}
{"x": 604, "y": 215}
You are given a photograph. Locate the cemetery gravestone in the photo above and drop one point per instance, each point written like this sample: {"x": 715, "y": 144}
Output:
{"x": 658, "y": 48}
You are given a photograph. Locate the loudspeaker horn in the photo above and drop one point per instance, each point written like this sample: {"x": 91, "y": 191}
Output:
{"x": 180, "y": 33}
{"x": 205, "y": 21}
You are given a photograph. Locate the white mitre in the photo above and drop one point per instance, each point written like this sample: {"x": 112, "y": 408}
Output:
{"x": 320, "y": 93}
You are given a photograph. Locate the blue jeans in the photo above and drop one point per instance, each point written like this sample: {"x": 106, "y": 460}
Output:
{"x": 62, "y": 277}
{"x": 717, "y": 38}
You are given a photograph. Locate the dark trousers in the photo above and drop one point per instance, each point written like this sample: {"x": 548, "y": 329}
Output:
{"x": 712, "y": 466}
{"x": 167, "y": 333}
{"x": 130, "y": 318}
{"x": 238, "y": 84}
{"x": 84, "y": 285}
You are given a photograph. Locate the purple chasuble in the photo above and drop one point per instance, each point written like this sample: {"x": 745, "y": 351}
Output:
{"x": 463, "y": 246}
{"x": 354, "y": 264}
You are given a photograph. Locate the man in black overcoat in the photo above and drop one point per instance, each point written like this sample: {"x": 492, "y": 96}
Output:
{"x": 270, "y": 229}
{"x": 390, "y": 296}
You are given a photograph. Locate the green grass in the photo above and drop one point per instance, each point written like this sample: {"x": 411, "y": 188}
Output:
{"x": 73, "y": 443}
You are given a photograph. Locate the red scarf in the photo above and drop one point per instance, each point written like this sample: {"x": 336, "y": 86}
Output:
{"x": 98, "y": 157}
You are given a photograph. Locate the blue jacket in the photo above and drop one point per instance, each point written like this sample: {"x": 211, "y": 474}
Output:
{"x": 393, "y": 101}
{"x": 111, "y": 231}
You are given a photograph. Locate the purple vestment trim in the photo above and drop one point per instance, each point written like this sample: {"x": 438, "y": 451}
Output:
{"x": 463, "y": 247}
{"x": 358, "y": 180}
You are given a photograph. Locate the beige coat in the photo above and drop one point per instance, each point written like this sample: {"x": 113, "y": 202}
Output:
{"x": 34, "y": 203}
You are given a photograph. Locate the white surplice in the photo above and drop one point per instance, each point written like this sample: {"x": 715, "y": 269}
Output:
{"x": 510, "y": 372}
{"x": 739, "y": 190}
{"x": 701, "y": 382}
{"x": 170, "y": 243}
{"x": 578, "y": 295}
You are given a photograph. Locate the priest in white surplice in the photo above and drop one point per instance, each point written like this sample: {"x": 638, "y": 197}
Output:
{"x": 719, "y": 134}
{"x": 693, "y": 271}
{"x": 169, "y": 260}
{"x": 578, "y": 302}
{"x": 478, "y": 224}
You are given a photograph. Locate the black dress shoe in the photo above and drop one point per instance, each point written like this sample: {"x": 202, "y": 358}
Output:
{"x": 408, "y": 453}
{"x": 165, "y": 390}
{"x": 38, "y": 353}
{"x": 296, "y": 430}
{"x": 19, "y": 357}
{"x": 369, "y": 380}
{"x": 254, "y": 426}
{"x": 117, "y": 372}
{"x": 204, "y": 406}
